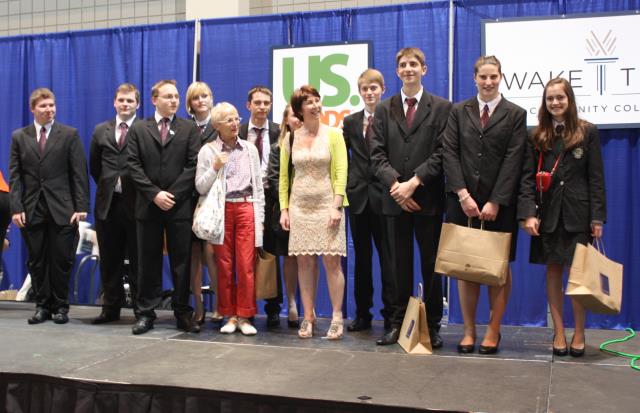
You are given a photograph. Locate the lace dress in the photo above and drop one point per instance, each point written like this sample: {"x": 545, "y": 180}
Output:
{"x": 311, "y": 202}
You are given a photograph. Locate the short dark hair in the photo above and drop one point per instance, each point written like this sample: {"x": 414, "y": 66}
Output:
{"x": 155, "y": 90}
{"x": 299, "y": 96}
{"x": 259, "y": 89}
{"x": 127, "y": 88}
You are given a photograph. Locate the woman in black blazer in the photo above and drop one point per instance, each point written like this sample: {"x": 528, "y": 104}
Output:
{"x": 572, "y": 209}
{"x": 483, "y": 147}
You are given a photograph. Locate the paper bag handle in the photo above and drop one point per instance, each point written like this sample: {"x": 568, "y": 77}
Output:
{"x": 481, "y": 223}
{"x": 420, "y": 290}
{"x": 598, "y": 244}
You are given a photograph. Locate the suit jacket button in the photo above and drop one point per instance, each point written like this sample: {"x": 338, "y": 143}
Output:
{"x": 477, "y": 172}
{"x": 480, "y": 136}
{"x": 561, "y": 183}
{"x": 479, "y": 154}
{"x": 406, "y": 159}
{"x": 41, "y": 180}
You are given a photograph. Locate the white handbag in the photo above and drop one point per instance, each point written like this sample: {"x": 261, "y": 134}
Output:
{"x": 208, "y": 218}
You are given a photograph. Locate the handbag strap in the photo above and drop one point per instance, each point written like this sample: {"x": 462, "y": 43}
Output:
{"x": 555, "y": 165}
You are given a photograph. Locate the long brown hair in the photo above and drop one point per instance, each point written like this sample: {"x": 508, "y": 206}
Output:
{"x": 574, "y": 127}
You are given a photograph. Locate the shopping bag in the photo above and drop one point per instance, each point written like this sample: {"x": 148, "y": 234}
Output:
{"x": 208, "y": 217}
{"x": 594, "y": 280}
{"x": 414, "y": 334}
{"x": 473, "y": 254}
{"x": 266, "y": 281}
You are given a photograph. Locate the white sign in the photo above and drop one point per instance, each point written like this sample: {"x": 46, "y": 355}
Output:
{"x": 332, "y": 69}
{"x": 599, "y": 55}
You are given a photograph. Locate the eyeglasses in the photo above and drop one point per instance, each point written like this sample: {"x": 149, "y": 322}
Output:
{"x": 231, "y": 121}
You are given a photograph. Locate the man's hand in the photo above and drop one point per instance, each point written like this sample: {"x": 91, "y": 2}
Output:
{"x": 410, "y": 205}
{"x": 164, "y": 200}
{"x": 19, "y": 219}
{"x": 77, "y": 217}
{"x": 401, "y": 192}
{"x": 531, "y": 226}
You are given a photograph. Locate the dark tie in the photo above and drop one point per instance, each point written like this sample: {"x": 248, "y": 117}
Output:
{"x": 258, "y": 142}
{"x": 123, "y": 128}
{"x": 367, "y": 132}
{"x": 164, "y": 129}
{"x": 560, "y": 130}
{"x": 202, "y": 128}
{"x": 484, "y": 118}
{"x": 43, "y": 139}
{"x": 411, "y": 110}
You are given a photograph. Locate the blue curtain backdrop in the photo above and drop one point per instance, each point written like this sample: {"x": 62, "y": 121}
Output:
{"x": 83, "y": 69}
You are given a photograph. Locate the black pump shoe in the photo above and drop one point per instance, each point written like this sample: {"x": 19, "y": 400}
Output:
{"x": 490, "y": 349}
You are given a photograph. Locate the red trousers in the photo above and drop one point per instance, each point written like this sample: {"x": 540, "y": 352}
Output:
{"x": 235, "y": 260}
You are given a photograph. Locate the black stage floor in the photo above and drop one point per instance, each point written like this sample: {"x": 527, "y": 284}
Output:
{"x": 522, "y": 377}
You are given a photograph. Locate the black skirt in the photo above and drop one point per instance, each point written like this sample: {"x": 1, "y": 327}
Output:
{"x": 505, "y": 221}
{"x": 275, "y": 240}
{"x": 557, "y": 247}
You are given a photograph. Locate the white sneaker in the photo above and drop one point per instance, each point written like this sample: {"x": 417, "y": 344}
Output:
{"x": 230, "y": 327}
{"x": 246, "y": 328}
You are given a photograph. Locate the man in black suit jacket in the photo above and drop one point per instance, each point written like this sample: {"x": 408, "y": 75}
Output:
{"x": 115, "y": 202}
{"x": 162, "y": 163}
{"x": 49, "y": 196}
{"x": 256, "y": 131}
{"x": 407, "y": 155}
{"x": 364, "y": 192}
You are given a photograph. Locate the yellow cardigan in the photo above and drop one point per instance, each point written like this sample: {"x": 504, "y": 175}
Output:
{"x": 339, "y": 164}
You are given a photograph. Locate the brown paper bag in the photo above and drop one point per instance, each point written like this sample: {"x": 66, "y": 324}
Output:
{"x": 414, "y": 334}
{"x": 472, "y": 254}
{"x": 266, "y": 282}
{"x": 595, "y": 281}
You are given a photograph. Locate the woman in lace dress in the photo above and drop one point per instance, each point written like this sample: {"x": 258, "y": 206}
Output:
{"x": 313, "y": 210}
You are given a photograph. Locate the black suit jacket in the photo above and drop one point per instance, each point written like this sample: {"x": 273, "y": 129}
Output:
{"x": 107, "y": 163}
{"x": 171, "y": 167}
{"x": 60, "y": 175}
{"x": 577, "y": 188}
{"x": 209, "y": 134}
{"x": 274, "y": 132}
{"x": 485, "y": 161}
{"x": 398, "y": 153}
{"x": 362, "y": 185}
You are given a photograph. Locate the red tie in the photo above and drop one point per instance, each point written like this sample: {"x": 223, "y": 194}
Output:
{"x": 164, "y": 129}
{"x": 43, "y": 139}
{"x": 258, "y": 142}
{"x": 484, "y": 119}
{"x": 367, "y": 132}
{"x": 411, "y": 110}
{"x": 123, "y": 128}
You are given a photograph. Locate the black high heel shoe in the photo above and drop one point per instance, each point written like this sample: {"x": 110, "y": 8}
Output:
{"x": 576, "y": 352}
{"x": 559, "y": 351}
{"x": 490, "y": 349}
{"x": 467, "y": 348}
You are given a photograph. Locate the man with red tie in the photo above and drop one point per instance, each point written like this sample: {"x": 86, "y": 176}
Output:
{"x": 49, "y": 196}
{"x": 263, "y": 134}
{"x": 162, "y": 162}
{"x": 406, "y": 151}
{"x": 115, "y": 202}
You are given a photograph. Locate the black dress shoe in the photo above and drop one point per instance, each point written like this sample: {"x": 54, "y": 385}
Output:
{"x": 576, "y": 352}
{"x": 436, "y": 340}
{"x": 40, "y": 316}
{"x": 143, "y": 325}
{"x": 467, "y": 348}
{"x": 273, "y": 320}
{"x": 106, "y": 317}
{"x": 490, "y": 349}
{"x": 390, "y": 337}
{"x": 359, "y": 324}
{"x": 185, "y": 323}
{"x": 293, "y": 323}
{"x": 60, "y": 317}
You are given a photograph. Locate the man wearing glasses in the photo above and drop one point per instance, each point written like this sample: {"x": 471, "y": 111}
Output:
{"x": 162, "y": 163}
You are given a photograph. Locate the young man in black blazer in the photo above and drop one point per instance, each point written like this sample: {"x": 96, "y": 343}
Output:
{"x": 364, "y": 192}
{"x": 407, "y": 156}
{"x": 49, "y": 196}
{"x": 163, "y": 150}
{"x": 115, "y": 203}
{"x": 263, "y": 133}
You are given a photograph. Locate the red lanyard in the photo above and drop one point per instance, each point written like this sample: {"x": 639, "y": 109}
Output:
{"x": 555, "y": 165}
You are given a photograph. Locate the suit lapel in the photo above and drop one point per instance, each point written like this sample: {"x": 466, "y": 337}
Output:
{"x": 424, "y": 107}
{"x": 273, "y": 133}
{"x": 397, "y": 112}
{"x": 174, "y": 128}
{"x": 359, "y": 143}
{"x": 152, "y": 127}
{"x": 32, "y": 140}
{"x": 498, "y": 113}
{"x": 472, "y": 109}
{"x": 54, "y": 136}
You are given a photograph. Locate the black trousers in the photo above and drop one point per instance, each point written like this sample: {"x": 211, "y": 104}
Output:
{"x": 5, "y": 218}
{"x": 365, "y": 227}
{"x": 52, "y": 252}
{"x": 400, "y": 232}
{"x": 150, "y": 235}
{"x": 117, "y": 241}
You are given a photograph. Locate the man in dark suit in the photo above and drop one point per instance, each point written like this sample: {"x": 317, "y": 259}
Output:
{"x": 49, "y": 196}
{"x": 115, "y": 202}
{"x": 407, "y": 155}
{"x": 263, "y": 133}
{"x": 162, "y": 163}
{"x": 364, "y": 192}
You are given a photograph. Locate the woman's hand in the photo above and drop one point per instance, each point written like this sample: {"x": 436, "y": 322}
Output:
{"x": 469, "y": 207}
{"x": 284, "y": 219}
{"x": 531, "y": 226}
{"x": 489, "y": 211}
{"x": 335, "y": 216}
{"x": 220, "y": 161}
{"x": 596, "y": 230}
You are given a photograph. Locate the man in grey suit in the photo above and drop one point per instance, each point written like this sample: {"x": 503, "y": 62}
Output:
{"x": 406, "y": 151}
{"x": 115, "y": 201}
{"x": 49, "y": 196}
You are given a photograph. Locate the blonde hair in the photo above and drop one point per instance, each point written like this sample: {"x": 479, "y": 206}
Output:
{"x": 220, "y": 110}
{"x": 196, "y": 89}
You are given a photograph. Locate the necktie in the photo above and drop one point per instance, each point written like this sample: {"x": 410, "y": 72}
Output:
{"x": 411, "y": 110}
{"x": 43, "y": 139}
{"x": 484, "y": 118}
{"x": 202, "y": 128}
{"x": 123, "y": 128}
{"x": 164, "y": 129}
{"x": 258, "y": 141}
{"x": 560, "y": 130}
{"x": 367, "y": 132}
